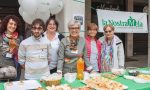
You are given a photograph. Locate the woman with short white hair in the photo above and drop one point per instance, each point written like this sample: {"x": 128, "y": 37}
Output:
{"x": 71, "y": 48}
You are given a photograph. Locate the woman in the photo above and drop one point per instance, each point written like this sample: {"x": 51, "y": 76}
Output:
{"x": 112, "y": 50}
{"x": 10, "y": 39}
{"x": 54, "y": 39}
{"x": 93, "y": 46}
{"x": 71, "y": 48}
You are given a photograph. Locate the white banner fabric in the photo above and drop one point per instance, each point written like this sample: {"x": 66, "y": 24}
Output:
{"x": 124, "y": 22}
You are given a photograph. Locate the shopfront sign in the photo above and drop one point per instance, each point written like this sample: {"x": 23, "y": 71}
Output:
{"x": 124, "y": 22}
{"x": 108, "y": 7}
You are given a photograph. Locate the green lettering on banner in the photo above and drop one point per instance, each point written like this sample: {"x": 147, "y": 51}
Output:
{"x": 131, "y": 22}
{"x": 111, "y": 22}
{"x": 117, "y": 24}
{"x": 104, "y": 22}
{"x": 139, "y": 24}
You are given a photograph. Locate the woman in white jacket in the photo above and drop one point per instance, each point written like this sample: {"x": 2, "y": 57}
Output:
{"x": 112, "y": 50}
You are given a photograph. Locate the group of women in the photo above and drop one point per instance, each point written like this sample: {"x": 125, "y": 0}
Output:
{"x": 99, "y": 54}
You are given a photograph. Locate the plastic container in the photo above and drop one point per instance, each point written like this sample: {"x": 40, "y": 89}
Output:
{"x": 118, "y": 71}
{"x": 70, "y": 77}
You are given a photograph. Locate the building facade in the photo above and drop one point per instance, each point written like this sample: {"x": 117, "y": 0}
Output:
{"x": 85, "y": 11}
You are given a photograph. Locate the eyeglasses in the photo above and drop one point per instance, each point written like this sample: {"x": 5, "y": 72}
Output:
{"x": 74, "y": 28}
{"x": 38, "y": 28}
{"x": 108, "y": 31}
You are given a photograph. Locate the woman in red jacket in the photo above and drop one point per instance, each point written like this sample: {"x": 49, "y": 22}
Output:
{"x": 93, "y": 46}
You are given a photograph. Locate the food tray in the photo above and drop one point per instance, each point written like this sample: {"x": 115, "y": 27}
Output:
{"x": 101, "y": 83}
{"x": 22, "y": 85}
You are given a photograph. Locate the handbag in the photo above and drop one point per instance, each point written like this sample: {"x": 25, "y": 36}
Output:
{"x": 8, "y": 72}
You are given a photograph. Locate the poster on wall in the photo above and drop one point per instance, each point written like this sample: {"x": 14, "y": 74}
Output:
{"x": 124, "y": 22}
{"x": 80, "y": 18}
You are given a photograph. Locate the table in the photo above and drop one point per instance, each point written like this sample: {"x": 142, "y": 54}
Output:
{"x": 130, "y": 83}
{"x": 77, "y": 83}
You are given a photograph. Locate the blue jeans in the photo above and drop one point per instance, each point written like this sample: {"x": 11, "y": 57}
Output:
{"x": 18, "y": 68}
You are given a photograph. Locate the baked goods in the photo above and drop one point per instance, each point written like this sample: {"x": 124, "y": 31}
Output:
{"x": 53, "y": 79}
{"x": 66, "y": 87}
{"x": 59, "y": 87}
{"x": 144, "y": 76}
{"x": 102, "y": 83}
{"x": 85, "y": 88}
{"x": 110, "y": 76}
{"x": 40, "y": 88}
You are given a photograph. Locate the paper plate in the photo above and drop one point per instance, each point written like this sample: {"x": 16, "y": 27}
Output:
{"x": 144, "y": 71}
{"x": 92, "y": 75}
{"x": 24, "y": 85}
{"x": 139, "y": 80}
{"x": 128, "y": 77}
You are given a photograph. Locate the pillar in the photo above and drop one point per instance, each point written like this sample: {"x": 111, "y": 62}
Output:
{"x": 129, "y": 36}
{"x": 148, "y": 33}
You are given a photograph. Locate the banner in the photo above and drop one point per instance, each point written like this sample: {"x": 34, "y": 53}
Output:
{"x": 124, "y": 22}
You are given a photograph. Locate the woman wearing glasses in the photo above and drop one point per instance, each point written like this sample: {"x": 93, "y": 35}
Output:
{"x": 112, "y": 50}
{"x": 71, "y": 48}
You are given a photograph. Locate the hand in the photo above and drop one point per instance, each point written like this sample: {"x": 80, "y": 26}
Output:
{"x": 93, "y": 72}
{"x": 89, "y": 69}
{"x": 59, "y": 72}
{"x": 48, "y": 62}
{"x": 11, "y": 50}
{"x": 23, "y": 66}
{"x": 79, "y": 55}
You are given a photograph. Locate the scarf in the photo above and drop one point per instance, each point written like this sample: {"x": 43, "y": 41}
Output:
{"x": 73, "y": 42}
{"x": 109, "y": 55}
{"x": 11, "y": 41}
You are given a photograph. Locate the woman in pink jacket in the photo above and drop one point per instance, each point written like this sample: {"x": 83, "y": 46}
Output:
{"x": 93, "y": 46}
